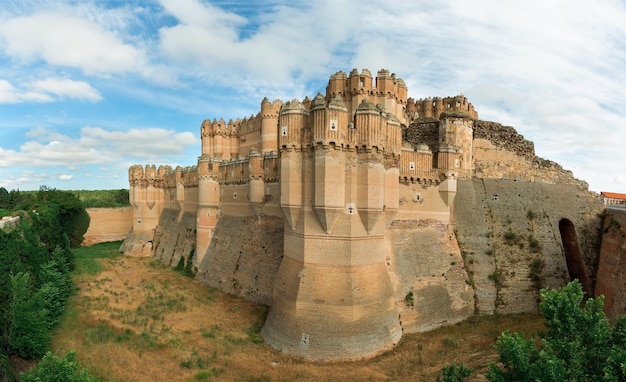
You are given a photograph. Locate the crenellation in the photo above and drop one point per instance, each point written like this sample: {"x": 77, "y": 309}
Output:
{"x": 432, "y": 108}
{"x": 363, "y": 182}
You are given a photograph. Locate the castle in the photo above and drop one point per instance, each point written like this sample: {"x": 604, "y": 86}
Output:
{"x": 328, "y": 211}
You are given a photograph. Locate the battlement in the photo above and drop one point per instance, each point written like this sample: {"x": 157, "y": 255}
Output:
{"x": 330, "y": 124}
{"x": 385, "y": 85}
{"x": 141, "y": 177}
{"x": 435, "y": 107}
{"x": 385, "y": 90}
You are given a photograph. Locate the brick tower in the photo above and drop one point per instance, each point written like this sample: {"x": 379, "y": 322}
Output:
{"x": 333, "y": 295}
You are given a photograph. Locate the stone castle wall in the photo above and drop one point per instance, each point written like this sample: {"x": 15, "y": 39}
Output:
{"x": 510, "y": 234}
{"x": 611, "y": 280}
{"x": 244, "y": 257}
{"x": 365, "y": 209}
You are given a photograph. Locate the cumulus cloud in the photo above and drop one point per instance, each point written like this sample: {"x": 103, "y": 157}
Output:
{"x": 48, "y": 90}
{"x": 66, "y": 88}
{"x": 141, "y": 143}
{"x": 64, "y": 40}
{"x": 96, "y": 146}
{"x": 11, "y": 94}
{"x": 289, "y": 40}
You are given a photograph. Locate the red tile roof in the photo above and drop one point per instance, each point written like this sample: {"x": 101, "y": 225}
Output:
{"x": 613, "y": 195}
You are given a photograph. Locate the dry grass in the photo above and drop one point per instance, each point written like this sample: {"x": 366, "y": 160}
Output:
{"x": 137, "y": 321}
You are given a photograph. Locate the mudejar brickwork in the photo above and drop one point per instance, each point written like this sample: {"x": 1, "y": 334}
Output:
{"x": 363, "y": 214}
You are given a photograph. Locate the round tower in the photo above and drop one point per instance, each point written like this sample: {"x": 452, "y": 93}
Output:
{"x": 332, "y": 296}
{"x": 269, "y": 125}
{"x": 256, "y": 190}
{"x": 337, "y": 84}
{"x": 208, "y": 206}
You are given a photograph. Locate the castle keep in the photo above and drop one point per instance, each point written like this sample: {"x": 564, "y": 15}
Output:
{"x": 340, "y": 212}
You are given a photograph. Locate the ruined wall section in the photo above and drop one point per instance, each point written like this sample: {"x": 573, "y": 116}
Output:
{"x": 611, "y": 280}
{"x": 501, "y": 152}
{"x": 510, "y": 239}
{"x": 244, "y": 256}
{"x": 504, "y": 137}
{"x": 422, "y": 132}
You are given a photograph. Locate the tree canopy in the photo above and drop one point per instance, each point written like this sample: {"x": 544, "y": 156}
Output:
{"x": 579, "y": 345}
{"x": 35, "y": 261}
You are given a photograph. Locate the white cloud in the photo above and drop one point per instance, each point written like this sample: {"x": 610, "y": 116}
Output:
{"x": 66, "y": 88}
{"x": 47, "y": 90}
{"x": 66, "y": 177}
{"x": 141, "y": 143}
{"x": 296, "y": 39}
{"x": 65, "y": 40}
{"x": 96, "y": 146}
{"x": 11, "y": 94}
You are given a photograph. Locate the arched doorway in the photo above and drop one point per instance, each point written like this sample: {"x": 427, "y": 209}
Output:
{"x": 573, "y": 257}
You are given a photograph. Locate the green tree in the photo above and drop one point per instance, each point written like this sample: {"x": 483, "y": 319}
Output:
{"x": 29, "y": 330}
{"x": 5, "y": 199}
{"x": 454, "y": 373}
{"x": 51, "y": 368}
{"x": 579, "y": 345}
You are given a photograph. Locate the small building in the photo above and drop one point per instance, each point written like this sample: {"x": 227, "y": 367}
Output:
{"x": 613, "y": 198}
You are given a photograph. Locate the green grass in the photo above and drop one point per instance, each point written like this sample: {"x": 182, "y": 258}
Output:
{"x": 86, "y": 259}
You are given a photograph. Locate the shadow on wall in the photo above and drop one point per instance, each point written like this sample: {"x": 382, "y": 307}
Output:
{"x": 573, "y": 257}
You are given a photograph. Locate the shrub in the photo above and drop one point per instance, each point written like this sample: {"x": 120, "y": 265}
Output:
{"x": 495, "y": 277}
{"x": 55, "y": 369}
{"x": 454, "y": 373}
{"x": 536, "y": 267}
{"x": 409, "y": 299}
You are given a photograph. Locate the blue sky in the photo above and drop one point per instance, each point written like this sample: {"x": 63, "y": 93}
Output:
{"x": 88, "y": 88}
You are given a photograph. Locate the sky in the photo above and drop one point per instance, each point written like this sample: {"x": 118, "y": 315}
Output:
{"x": 88, "y": 88}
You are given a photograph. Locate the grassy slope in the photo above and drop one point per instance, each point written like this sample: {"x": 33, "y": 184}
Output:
{"x": 133, "y": 320}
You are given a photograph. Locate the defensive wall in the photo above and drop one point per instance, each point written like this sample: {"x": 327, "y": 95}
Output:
{"x": 362, "y": 214}
{"x": 611, "y": 276}
{"x": 107, "y": 224}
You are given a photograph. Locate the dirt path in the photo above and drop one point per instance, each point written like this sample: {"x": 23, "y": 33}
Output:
{"x": 139, "y": 321}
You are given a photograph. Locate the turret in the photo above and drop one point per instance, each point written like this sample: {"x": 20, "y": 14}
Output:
{"x": 208, "y": 205}
{"x": 360, "y": 83}
{"x": 256, "y": 185}
{"x": 337, "y": 84}
{"x": 369, "y": 120}
{"x": 269, "y": 125}
{"x": 294, "y": 118}
{"x": 206, "y": 135}
{"x": 456, "y": 141}
{"x": 146, "y": 197}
